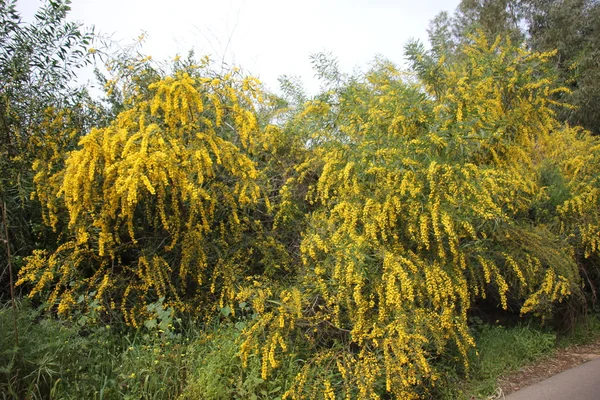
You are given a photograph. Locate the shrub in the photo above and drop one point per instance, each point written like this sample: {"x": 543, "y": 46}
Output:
{"x": 424, "y": 202}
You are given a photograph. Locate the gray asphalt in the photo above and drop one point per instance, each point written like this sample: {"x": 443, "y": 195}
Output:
{"x": 579, "y": 383}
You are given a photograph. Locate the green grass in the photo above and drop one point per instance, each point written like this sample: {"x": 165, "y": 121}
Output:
{"x": 585, "y": 331}
{"x": 501, "y": 350}
{"x": 61, "y": 359}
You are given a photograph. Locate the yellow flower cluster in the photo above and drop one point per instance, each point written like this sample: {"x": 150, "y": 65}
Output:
{"x": 421, "y": 204}
{"x": 156, "y": 199}
{"x": 360, "y": 227}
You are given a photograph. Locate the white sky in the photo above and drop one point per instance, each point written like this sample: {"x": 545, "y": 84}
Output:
{"x": 267, "y": 38}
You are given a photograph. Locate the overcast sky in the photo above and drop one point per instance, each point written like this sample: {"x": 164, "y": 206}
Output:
{"x": 267, "y": 38}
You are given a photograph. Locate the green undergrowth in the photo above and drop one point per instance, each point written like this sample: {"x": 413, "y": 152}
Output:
{"x": 65, "y": 360}
{"x": 502, "y": 349}
{"x": 585, "y": 331}
{"x": 71, "y": 360}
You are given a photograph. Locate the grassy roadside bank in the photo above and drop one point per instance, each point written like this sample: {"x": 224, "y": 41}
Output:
{"x": 70, "y": 360}
{"x": 502, "y": 351}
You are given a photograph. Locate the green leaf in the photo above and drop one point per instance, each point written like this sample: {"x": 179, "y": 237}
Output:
{"x": 150, "y": 324}
{"x": 226, "y": 311}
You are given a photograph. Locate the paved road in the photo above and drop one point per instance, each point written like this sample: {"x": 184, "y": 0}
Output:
{"x": 579, "y": 383}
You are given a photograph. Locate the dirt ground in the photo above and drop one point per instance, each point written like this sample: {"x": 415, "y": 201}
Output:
{"x": 562, "y": 360}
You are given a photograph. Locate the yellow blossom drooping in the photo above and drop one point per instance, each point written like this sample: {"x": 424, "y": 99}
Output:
{"x": 156, "y": 200}
{"x": 421, "y": 206}
{"x": 358, "y": 227}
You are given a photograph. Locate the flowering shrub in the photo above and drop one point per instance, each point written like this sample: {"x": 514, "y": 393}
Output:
{"x": 391, "y": 202}
{"x": 424, "y": 198}
{"x": 156, "y": 199}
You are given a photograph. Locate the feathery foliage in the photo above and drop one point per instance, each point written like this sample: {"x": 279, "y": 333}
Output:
{"x": 347, "y": 235}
